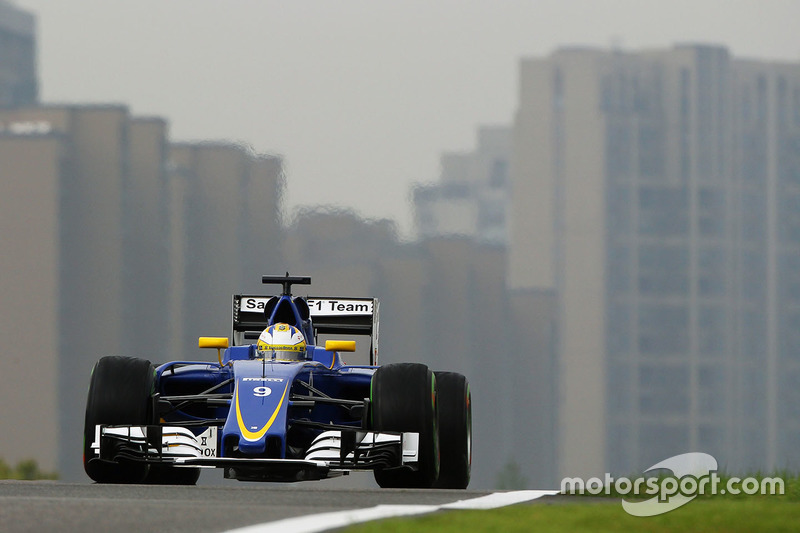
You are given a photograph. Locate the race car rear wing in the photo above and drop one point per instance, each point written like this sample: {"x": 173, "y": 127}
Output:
{"x": 343, "y": 316}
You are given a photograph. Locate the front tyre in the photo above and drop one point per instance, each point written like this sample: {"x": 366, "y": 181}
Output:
{"x": 120, "y": 390}
{"x": 455, "y": 430}
{"x": 403, "y": 399}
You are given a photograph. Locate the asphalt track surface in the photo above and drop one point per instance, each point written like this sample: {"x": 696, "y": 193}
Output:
{"x": 52, "y": 506}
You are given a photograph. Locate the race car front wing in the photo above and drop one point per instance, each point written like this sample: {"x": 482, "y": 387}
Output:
{"x": 332, "y": 453}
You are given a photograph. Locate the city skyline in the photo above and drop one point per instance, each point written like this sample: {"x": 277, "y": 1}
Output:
{"x": 671, "y": 172}
{"x": 655, "y": 198}
{"x": 359, "y": 98}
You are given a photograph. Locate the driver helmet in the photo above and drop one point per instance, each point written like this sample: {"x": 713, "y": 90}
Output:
{"x": 282, "y": 342}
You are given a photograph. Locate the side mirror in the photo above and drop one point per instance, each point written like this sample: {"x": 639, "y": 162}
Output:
{"x": 340, "y": 346}
{"x": 219, "y": 343}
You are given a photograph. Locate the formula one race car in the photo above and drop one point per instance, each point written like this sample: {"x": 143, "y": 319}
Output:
{"x": 279, "y": 407}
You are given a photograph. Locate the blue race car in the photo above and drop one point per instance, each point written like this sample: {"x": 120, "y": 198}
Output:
{"x": 278, "y": 406}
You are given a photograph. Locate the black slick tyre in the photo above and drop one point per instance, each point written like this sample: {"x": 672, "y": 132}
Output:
{"x": 119, "y": 393}
{"x": 455, "y": 430}
{"x": 403, "y": 399}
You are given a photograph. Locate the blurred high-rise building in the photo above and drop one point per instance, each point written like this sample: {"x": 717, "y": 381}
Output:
{"x": 111, "y": 246}
{"x": 64, "y": 238}
{"x": 656, "y": 208}
{"x": 225, "y": 232}
{"x": 442, "y": 303}
{"x": 471, "y": 197}
{"x": 31, "y": 170}
{"x": 18, "y": 81}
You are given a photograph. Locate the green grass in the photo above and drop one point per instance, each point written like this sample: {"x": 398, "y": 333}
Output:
{"x": 707, "y": 513}
{"x": 27, "y": 469}
{"x": 733, "y": 515}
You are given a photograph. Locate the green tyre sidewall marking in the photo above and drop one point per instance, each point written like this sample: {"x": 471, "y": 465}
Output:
{"x": 436, "y": 449}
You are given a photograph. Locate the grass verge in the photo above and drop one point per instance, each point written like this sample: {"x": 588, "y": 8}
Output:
{"x": 732, "y": 515}
{"x": 706, "y": 513}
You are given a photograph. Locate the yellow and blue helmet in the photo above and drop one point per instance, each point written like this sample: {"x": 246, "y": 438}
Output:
{"x": 281, "y": 342}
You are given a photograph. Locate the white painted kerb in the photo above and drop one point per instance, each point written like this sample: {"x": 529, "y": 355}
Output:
{"x": 325, "y": 521}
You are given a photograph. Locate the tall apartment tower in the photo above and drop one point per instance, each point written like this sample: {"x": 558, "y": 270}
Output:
{"x": 110, "y": 246}
{"x": 31, "y": 170}
{"x": 471, "y": 198}
{"x": 656, "y": 210}
{"x": 442, "y": 303}
{"x": 18, "y": 83}
{"x": 224, "y": 234}
{"x": 62, "y": 177}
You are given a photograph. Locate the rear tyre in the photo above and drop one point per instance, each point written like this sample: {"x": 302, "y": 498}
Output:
{"x": 455, "y": 430}
{"x": 119, "y": 393}
{"x": 403, "y": 399}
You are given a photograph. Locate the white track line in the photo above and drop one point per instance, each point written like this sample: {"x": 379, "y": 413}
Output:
{"x": 337, "y": 519}
{"x": 499, "y": 499}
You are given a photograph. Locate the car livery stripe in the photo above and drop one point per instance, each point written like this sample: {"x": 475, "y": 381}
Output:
{"x": 256, "y": 435}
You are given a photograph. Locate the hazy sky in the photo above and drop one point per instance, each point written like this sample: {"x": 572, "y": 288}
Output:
{"x": 359, "y": 97}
